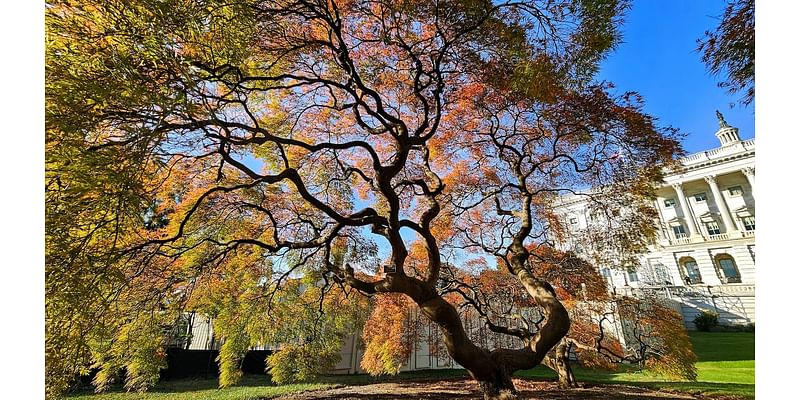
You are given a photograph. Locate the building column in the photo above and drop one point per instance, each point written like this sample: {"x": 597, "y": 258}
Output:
{"x": 750, "y": 173}
{"x": 687, "y": 213}
{"x": 730, "y": 227}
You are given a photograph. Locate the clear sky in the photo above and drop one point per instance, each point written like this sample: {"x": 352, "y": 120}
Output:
{"x": 658, "y": 59}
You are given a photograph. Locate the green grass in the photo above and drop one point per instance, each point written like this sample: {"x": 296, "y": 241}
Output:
{"x": 254, "y": 387}
{"x": 726, "y": 367}
{"x": 250, "y": 388}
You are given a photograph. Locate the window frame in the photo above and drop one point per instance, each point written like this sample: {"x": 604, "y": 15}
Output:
{"x": 745, "y": 225}
{"x": 740, "y": 193}
{"x": 721, "y": 271}
{"x": 685, "y": 271}
{"x": 700, "y": 194}
{"x": 715, "y": 228}
{"x": 633, "y": 276}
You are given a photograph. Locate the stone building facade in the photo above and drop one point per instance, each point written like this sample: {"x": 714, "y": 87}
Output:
{"x": 704, "y": 257}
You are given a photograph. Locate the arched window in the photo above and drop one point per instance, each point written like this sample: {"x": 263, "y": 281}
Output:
{"x": 690, "y": 271}
{"x": 726, "y": 269}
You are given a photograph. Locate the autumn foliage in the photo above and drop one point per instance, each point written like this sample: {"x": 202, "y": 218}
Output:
{"x": 259, "y": 162}
{"x": 730, "y": 49}
{"x": 388, "y": 336}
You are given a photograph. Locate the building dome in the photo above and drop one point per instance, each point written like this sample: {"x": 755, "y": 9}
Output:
{"x": 726, "y": 133}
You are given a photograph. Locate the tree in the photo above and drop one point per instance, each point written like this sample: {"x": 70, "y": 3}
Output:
{"x": 731, "y": 49}
{"x": 604, "y": 330}
{"x": 256, "y": 143}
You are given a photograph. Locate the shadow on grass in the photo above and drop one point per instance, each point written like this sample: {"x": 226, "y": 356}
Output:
{"x": 630, "y": 376}
{"x": 184, "y": 385}
{"x": 589, "y": 378}
{"x": 738, "y": 389}
{"x": 420, "y": 375}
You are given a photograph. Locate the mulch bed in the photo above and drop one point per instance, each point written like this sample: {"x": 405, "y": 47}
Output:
{"x": 467, "y": 389}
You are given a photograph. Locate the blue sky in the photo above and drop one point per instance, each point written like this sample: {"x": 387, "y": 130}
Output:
{"x": 658, "y": 59}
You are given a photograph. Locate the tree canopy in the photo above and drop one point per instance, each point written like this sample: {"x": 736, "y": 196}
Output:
{"x": 730, "y": 49}
{"x": 231, "y": 156}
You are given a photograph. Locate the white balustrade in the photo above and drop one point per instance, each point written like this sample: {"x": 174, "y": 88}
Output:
{"x": 721, "y": 236}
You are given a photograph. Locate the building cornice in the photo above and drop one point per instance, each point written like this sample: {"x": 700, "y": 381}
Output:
{"x": 720, "y": 155}
{"x": 739, "y": 150}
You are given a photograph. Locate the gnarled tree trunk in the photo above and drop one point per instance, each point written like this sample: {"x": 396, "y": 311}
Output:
{"x": 493, "y": 370}
{"x": 560, "y": 363}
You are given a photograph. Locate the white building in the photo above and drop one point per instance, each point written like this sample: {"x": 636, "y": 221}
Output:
{"x": 704, "y": 257}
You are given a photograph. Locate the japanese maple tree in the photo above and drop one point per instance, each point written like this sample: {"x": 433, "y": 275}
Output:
{"x": 195, "y": 144}
{"x": 730, "y": 49}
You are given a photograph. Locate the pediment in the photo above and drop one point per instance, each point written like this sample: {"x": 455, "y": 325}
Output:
{"x": 707, "y": 217}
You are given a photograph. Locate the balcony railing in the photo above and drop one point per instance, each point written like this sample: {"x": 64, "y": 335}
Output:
{"x": 700, "y": 290}
{"x": 720, "y": 236}
{"x": 737, "y": 289}
{"x": 684, "y": 240}
{"x": 718, "y": 152}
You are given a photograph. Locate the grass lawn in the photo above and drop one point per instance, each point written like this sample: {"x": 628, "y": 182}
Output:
{"x": 251, "y": 387}
{"x": 726, "y": 367}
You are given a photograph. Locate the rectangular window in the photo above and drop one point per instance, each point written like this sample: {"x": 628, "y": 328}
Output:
{"x": 735, "y": 190}
{"x": 749, "y": 223}
{"x": 573, "y": 221}
{"x": 632, "y": 275}
{"x": 606, "y": 272}
{"x": 669, "y": 203}
{"x": 699, "y": 197}
{"x": 679, "y": 231}
{"x": 712, "y": 228}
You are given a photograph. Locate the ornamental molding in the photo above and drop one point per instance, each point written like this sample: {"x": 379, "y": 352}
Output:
{"x": 687, "y": 166}
{"x": 707, "y": 217}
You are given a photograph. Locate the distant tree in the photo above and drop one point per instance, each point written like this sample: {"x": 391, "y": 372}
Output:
{"x": 604, "y": 331}
{"x": 244, "y": 158}
{"x": 730, "y": 49}
{"x": 642, "y": 330}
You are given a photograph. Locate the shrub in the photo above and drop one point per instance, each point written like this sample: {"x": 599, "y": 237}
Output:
{"x": 706, "y": 320}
